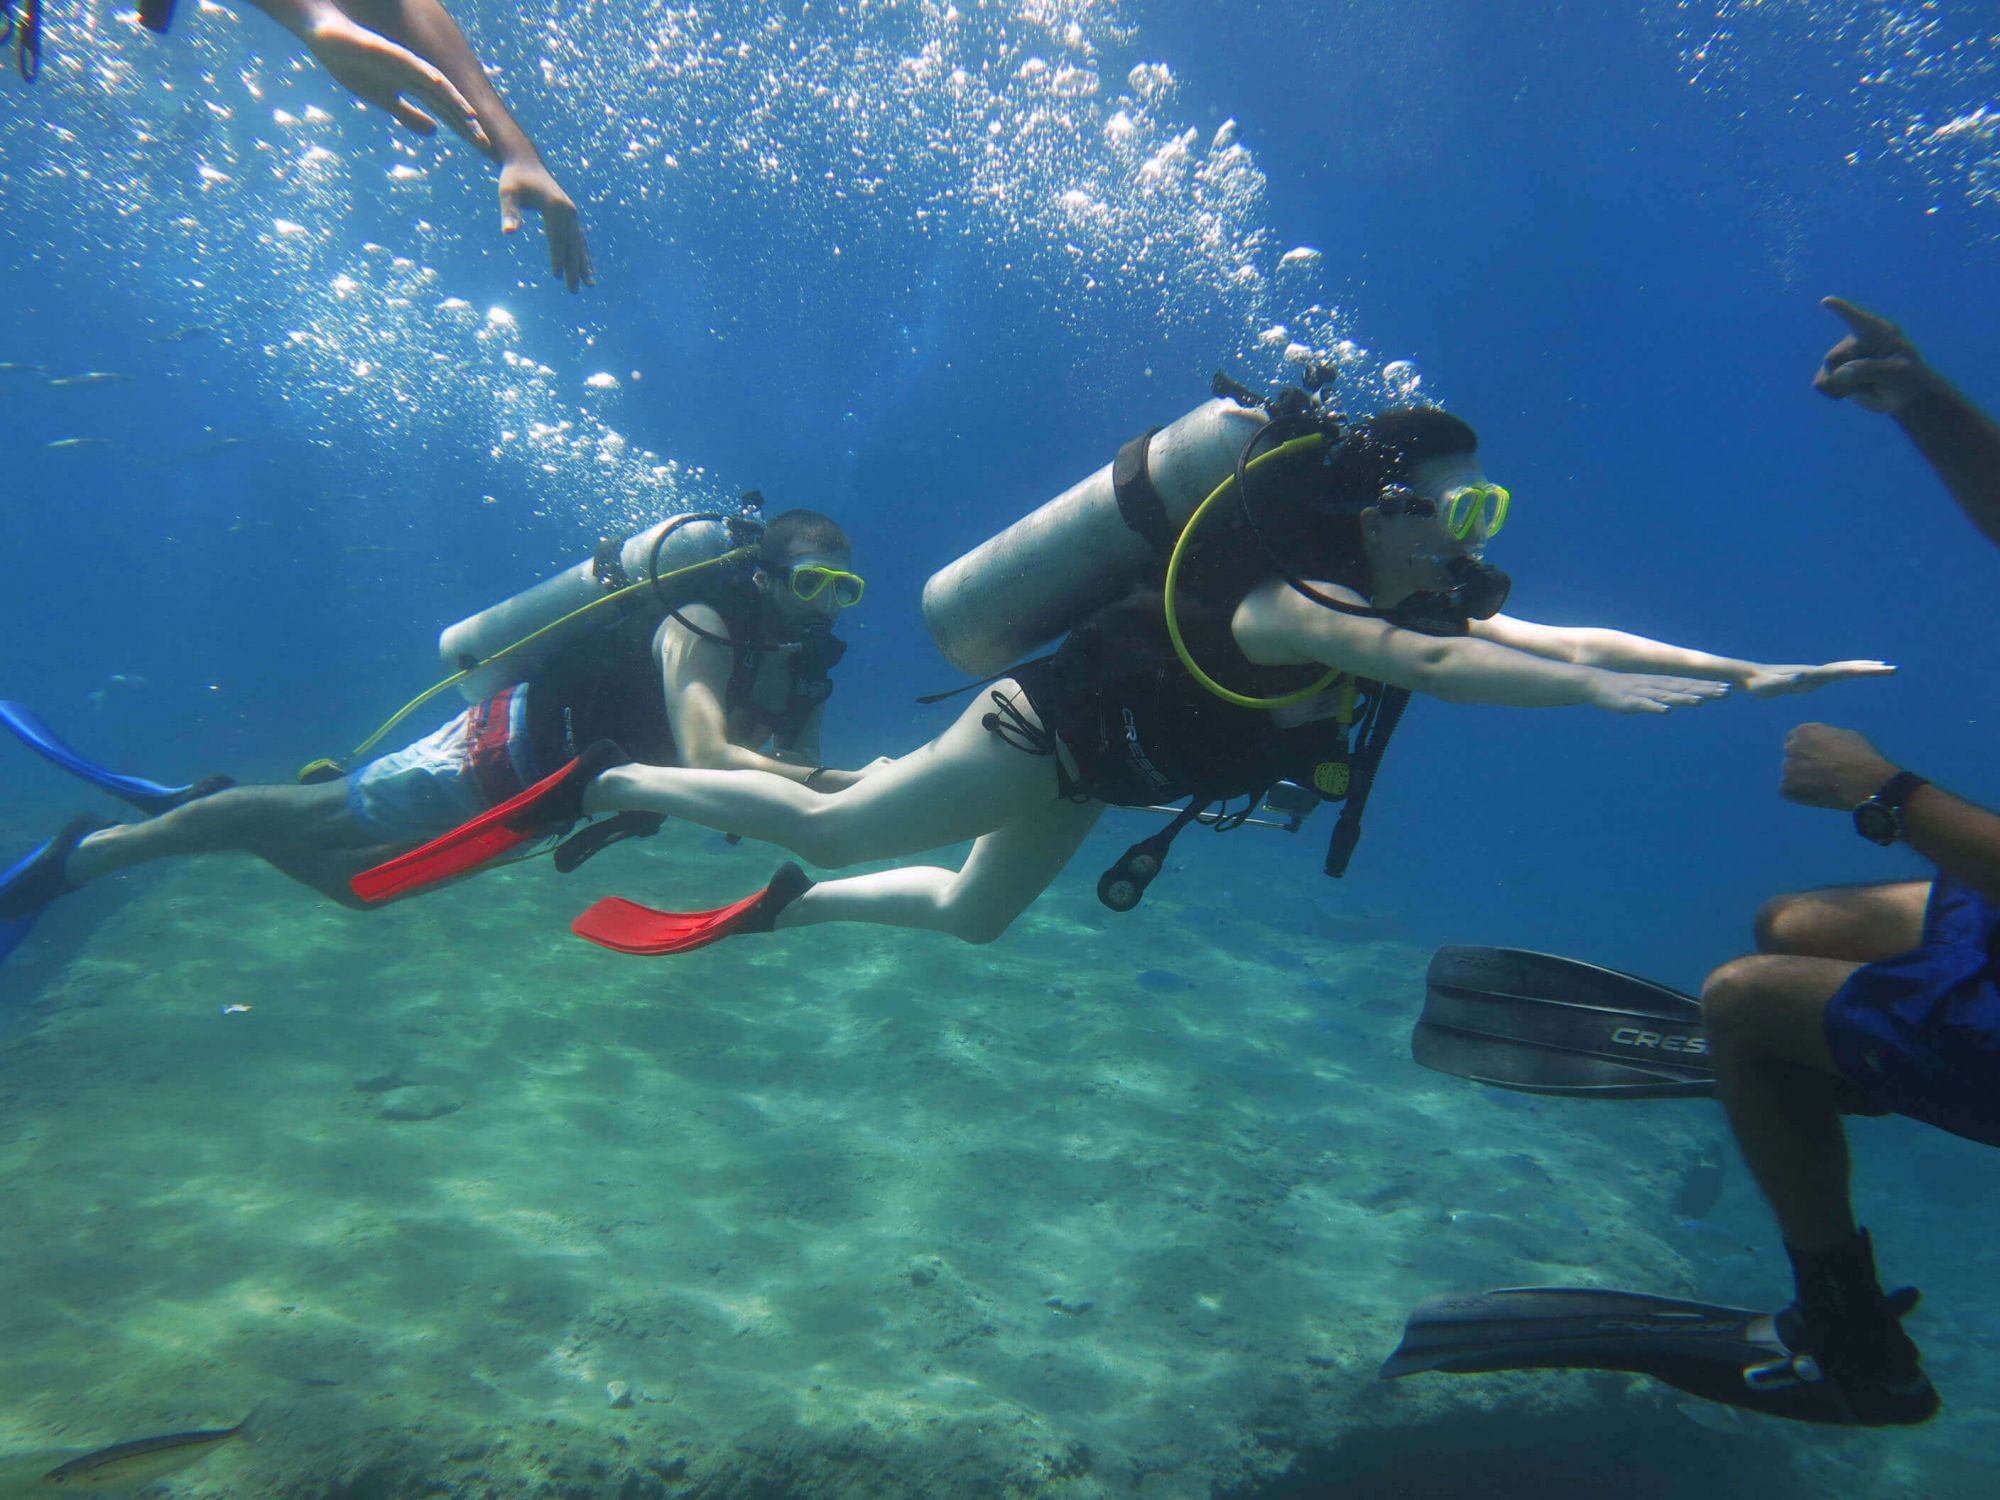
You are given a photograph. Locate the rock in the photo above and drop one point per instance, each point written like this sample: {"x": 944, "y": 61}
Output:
{"x": 618, "y": 1394}
{"x": 421, "y": 1101}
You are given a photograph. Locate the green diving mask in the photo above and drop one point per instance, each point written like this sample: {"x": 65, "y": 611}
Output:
{"x": 811, "y": 580}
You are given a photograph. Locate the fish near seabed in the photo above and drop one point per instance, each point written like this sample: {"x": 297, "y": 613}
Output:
{"x": 141, "y": 1461}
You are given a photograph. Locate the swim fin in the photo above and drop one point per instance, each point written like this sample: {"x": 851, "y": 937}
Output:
{"x": 549, "y": 806}
{"x": 32, "y": 882}
{"x": 1548, "y": 1025}
{"x": 150, "y": 797}
{"x": 627, "y": 927}
{"x": 1726, "y": 1354}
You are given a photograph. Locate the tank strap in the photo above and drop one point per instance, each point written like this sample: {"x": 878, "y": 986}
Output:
{"x": 1139, "y": 499}
{"x": 1383, "y": 716}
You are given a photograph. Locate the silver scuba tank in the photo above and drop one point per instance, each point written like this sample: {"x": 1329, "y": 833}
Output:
{"x": 677, "y": 543}
{"x": 1050, "y": 570}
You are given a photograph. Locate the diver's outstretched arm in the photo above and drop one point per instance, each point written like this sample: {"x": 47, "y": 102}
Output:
{"x": 1619, "y": 651}
{"x": 1877, "y": 367}
{"x": 1276, "y": 627}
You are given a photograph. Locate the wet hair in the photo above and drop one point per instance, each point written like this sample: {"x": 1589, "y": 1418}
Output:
{"x": 792, "y": 532}
{"x": 1311, "y": 519}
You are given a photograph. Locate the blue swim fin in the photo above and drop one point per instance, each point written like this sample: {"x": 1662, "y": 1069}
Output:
{"x": 37, "y": 878}
{"x": 150, "y": 797}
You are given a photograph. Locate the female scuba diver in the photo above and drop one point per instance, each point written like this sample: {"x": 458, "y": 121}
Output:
{"x": 1283, "y": 648}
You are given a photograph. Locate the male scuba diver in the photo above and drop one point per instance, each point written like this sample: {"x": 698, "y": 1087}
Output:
{"x": 699, "y": 676}
{"x": 1283, "y": 646}
{"x": 1867, "y": 1000}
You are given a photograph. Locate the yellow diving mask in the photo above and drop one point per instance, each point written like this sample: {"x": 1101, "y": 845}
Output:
{"x": 1476, "y": 507}
{"x": 812, "y": 579}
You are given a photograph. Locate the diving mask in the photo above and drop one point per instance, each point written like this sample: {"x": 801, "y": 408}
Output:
{"x": 810, "y": 580}
{"x": 1469, "y": 508}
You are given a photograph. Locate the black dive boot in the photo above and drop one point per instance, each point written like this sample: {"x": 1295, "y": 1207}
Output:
{"x": 1845, "y": 1323}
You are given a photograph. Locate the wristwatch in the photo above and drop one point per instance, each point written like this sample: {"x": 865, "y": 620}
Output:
{"x": 1880, "y": 819}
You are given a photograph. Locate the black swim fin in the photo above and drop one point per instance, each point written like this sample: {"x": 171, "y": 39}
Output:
{"x": 1726, "y": 1354}
{"x": 1548, "y": 1025}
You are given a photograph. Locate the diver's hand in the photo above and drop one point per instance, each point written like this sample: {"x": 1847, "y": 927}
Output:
{"x": 831, "y": 779}
{"x": 1874, "y": 366}
{"x": 1640, "y": 693}
{"x": 1828, "y": 767}
{"x": 1773, "y": 682}
{"x": 526, "y": 183}
{"x": 379, "y": 72}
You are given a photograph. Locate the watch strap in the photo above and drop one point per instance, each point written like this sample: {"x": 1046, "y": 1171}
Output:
{"x": 1898, "y": 789}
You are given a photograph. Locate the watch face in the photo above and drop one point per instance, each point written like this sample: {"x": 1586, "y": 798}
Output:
{"x": 1875, "y": 822}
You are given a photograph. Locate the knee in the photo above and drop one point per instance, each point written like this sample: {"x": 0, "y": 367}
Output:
{"x": 969, "y": 922}
{"x": 824, "y": 837}
{"x": 1732, "y": 997}
{"x": 1783, "y": 924}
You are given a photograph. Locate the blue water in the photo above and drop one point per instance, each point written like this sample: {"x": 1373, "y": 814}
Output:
{"x": 1599, "y": 232}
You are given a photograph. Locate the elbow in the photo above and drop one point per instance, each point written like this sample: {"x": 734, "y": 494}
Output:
{"x": 1429, "y": 672}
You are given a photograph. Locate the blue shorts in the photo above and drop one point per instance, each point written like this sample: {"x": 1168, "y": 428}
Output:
{"x": 1920, "y": 1033}
{"x": 476, "y": 761}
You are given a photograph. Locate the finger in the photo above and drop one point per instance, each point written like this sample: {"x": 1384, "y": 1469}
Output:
{"x": 1855, "y": 374}
{"x": 510, "y": 210}
{"x": 450, "y": 106}
{"x": 412, "y": 118}
{"x": 1868, "y": 325}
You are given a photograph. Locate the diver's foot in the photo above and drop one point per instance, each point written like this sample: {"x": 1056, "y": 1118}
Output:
{"x": 560, "y": 805}
{"x": 1855, "y": 1334}
{"x": 627, "y": 927}
{"x": 43, "y": 875}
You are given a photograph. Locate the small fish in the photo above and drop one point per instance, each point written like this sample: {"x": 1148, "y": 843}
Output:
{"x": 185, "y": 335}
{"x": 235, "y": 1010}
{"x": 83, "y": 442}
{"x": 21, "y": 367}
{"x": 92, "y": 377}
{"x": 141, "y": 1461}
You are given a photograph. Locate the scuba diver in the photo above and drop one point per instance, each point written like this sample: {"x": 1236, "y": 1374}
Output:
{"x": 408, "y": 58}
{"x": 1344, "y": 572}
{"x": 722, "y": 644}
{"x": 1860, "y": 1000}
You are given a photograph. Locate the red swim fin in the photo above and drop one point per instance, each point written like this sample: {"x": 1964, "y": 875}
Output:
{"x": 627, "y": 927}
{"x": 551, "y": 804}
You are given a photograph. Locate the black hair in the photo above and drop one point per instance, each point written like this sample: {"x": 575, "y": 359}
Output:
{"x": 794, "y": 531}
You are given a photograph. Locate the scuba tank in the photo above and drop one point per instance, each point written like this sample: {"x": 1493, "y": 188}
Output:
{"x": 659, "y": 570}
{"x": 1081, "y": 551}
{"x": 542, "y": 621}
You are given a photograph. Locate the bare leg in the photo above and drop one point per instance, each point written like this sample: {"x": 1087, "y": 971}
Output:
{"x": 1005, "y": 872}
{"x": 307, "y": 832}
{"x": 1858, "y": 923}
{"x": 1766, "y": 1019}
{"x": 964, "y": 783}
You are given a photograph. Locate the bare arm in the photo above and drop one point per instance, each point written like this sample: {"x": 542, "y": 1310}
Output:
{"x": 424, "y": 27}
{"x": 1877, "y": 367}
{"x": 695, "y": 673}
{"x": 1619, "y": 651}
{"x": 376, "y": 70}
{"x": 1837, "y": 768}
{"x": 1276, "y": 627}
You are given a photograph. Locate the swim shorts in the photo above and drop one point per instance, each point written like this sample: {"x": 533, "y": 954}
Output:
{"x": 476, "y": 761}
{"x": 1920, "y": 1033}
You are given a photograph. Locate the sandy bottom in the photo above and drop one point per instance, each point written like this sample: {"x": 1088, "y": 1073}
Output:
{"x": 1119, "y": 1206}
